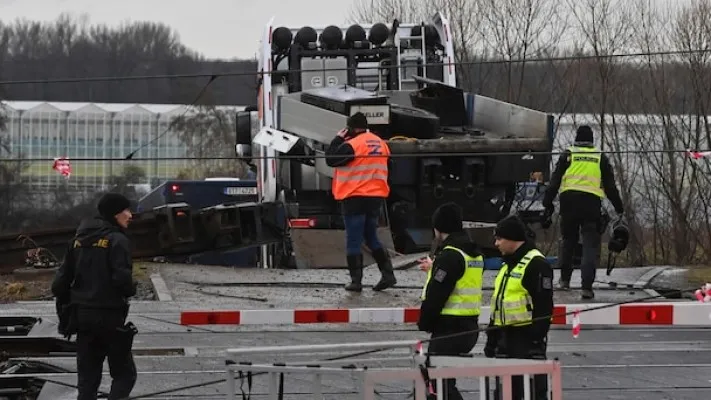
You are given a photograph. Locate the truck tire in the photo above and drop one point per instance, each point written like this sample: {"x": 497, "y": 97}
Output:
{"x": 413, "y": 122}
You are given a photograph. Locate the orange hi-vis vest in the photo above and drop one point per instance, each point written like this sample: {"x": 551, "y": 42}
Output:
{"x": 367, "y": 174}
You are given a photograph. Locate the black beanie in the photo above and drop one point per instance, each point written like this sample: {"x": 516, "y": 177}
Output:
{"x": 511, "y": 228}
{"x": 111, "y": 204}
{"x": 447, "y": 218}
{"x": 584, "y": 134}
{"x": 357, "y": 121}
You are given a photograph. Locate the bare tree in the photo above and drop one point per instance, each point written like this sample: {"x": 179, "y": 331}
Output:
{"x": 372, "y": 11}
{"x": 210, "y": 133}
{"x": 604, "y": 28}
{"x": 465, "y": 18}
{"x": 670, "y": 184}
{"x": 516, "y": 30}
{"x": 693, "y": 35}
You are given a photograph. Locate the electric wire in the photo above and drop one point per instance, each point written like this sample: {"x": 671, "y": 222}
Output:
{"x": 446, "y": 337}
{"x": 517, "y": 153}
{"x": 214, "y": 76}
{"x": 385, "y": 348}
{"x": 383, "y": 67}
{"x": 175, "y": 120}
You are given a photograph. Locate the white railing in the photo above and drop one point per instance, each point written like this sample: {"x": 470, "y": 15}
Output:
{"x": 439, "y": 368}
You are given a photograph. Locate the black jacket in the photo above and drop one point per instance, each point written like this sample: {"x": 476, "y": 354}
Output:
{"x": 538, "y": 280}
{"x": 447, "y": 268}
{"x": 581, "y": 204}
{"x": 338, "y": 154}
{"x": 97, "y": 269}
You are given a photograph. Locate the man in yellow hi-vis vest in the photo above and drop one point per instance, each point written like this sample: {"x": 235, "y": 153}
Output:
{"x": 521, "y": 304}
{"x": 584, "y": 176}
{"x": 451, "y": 297}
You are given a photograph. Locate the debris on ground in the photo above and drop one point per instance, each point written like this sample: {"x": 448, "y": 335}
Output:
{"x": 18, "y": 289}
{"x": 142, "y": 274}
{"x": 28, "y": 284}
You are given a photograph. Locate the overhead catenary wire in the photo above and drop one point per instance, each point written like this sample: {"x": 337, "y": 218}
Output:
{"x": 325, "y": 156}
{"x": 175, "y": 120}
{"x": 446, "y": 337}
{"x": 262, "y": 73}
{"x": 214, "y": 76}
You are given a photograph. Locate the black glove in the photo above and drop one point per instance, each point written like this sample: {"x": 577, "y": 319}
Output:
{"x": 547, "y": 217}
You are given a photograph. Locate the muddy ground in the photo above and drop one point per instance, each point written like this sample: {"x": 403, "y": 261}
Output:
{"x": 27, "y": 284}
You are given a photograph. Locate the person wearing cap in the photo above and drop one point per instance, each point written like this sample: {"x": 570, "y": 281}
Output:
{"x": 522, "y": 303}
{"x": 96, "y": 278}
{"x": 584, "y": 176}
{"x": 452, "y": 294}
{"x": 360, "y": 182}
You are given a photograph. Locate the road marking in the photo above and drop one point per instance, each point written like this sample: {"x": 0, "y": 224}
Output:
{"x": 161, "y": 288}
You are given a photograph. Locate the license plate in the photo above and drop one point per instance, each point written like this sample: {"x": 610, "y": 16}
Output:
{"x": 240, "y": 191}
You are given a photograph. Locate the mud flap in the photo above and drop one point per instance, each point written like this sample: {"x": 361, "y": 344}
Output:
{"x": 326, "y": 248}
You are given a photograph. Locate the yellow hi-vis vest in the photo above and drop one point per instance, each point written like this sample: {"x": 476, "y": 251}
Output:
{"x": 511, "y": 303}
{"x": 465, "y": 299}
{"x": 583, "y": 173}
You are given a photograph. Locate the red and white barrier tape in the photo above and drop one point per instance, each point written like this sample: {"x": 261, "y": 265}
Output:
{"x": 669, "y": 313}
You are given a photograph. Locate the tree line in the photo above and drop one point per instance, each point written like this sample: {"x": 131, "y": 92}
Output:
{"x": 650, "y": 105}
{"x": 70, "y": 47}
{"x": 485, "y": 37}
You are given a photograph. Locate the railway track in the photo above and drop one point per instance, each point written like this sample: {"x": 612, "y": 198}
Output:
{"x": 627, "y": 363}
{"x": 571, "y": 390}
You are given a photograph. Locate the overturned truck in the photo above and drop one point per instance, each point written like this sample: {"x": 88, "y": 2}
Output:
{"x": 446, "y": 144}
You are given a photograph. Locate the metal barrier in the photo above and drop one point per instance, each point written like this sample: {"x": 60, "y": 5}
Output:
{"x": 439, "y": 368}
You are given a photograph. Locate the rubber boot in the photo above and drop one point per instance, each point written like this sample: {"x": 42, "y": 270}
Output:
{"x": 386, "y": 270}
{"x": 355, "y": 268}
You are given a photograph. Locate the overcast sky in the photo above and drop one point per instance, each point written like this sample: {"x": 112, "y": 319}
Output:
{"x": 215, "y": 28}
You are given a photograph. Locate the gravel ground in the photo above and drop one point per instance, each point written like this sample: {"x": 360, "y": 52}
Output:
{"x": 29, "y": 284}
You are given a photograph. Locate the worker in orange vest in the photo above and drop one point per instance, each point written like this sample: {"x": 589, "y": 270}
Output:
{"x": 360, "y": 182}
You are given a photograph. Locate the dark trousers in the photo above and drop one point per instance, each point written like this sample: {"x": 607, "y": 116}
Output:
{"x": 359, "y": 227}
{"x": 100, "y": 335}
{"x": 517, "y": 344}
{"x": 572, "y": 228}
{"x": 454, "y": 346}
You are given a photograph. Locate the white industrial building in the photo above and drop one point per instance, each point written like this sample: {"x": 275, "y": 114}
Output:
{"x": 45, "y": 130}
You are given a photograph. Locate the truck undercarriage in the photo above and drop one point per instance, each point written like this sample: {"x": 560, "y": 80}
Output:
{"x": 477, "y": 165}
{"x": 447, "y": 145}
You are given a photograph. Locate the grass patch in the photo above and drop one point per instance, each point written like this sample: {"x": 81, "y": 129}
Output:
{"x": 15, "y": 288}
{"x": 698, "y": 274}
{"x": 141, "y": 271}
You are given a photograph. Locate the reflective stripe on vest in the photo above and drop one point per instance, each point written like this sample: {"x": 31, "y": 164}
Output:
{"x": 511, "y": 303}
{"x": 465, "y": 299}
{"x": 367, "y": 174}
{"x": 583, "y": 173}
